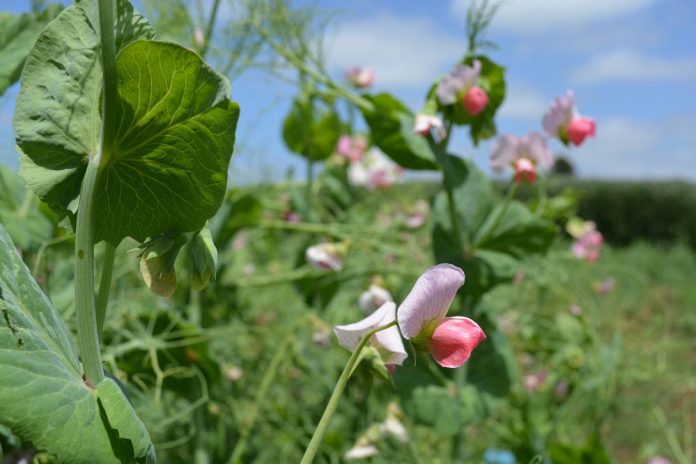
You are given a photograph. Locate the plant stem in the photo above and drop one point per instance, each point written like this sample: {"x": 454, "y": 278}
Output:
{"x": 105, "y": 285}
{"x": 486, "y": 233}
{"x": 320, "y": 431}
{"x": 308, "y": 191}
{"x": 209, "y": 28}
{"x": 87, "y": 335}
{"x": 109, "y": 89}
{"x": 266, "y": 383}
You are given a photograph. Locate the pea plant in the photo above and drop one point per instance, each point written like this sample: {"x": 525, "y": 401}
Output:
{"x": 126, "y": 138}
{"x": 123, "y": 136}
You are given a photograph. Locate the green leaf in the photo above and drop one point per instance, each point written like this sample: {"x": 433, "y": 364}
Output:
{"x": 391, "y": 128}
{"x": 17, "y": 35}
{"x": 168, "y": 171}
{"x": 57, "y": 120}
{"x": 27, "y": 225}
{"x": 310, "y": 130}
{"x": 43, "y": 398}
{"x": 492, "y": 368}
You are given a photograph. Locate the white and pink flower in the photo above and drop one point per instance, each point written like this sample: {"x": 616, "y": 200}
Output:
{"x": 388, "y": 342}
{"x": 425, "y": 123}
{"x": 326, "y": 256}
{"x": 523, "y": 154}
{"x": 360, "y": 77}
{"x": 352, "y": 147}
{"x": 460, "y": 85}
{"x": 422, "y": 318}
{"x": 373, "y": 298}
{"x": 374, "y": 171}
{"x": 588, "y": 240}
{"x": 562, "y": 120}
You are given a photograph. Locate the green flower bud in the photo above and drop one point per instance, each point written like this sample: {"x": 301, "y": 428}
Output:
{"x": 157, "y": 263}
{"x": 204, "y": 257}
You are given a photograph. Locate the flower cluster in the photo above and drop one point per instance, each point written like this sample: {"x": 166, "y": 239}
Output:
{"x": 375, "y": 170}
{"x": 460, "y": 85}
{"x": 421, "y": 317}
{"x": 360, "y": 77}
{"x": 352, "y": 148}
{"x": 525, "y": 154}
{"x": 588, "y": 240}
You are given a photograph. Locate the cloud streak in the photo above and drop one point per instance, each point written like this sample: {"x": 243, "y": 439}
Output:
{"x": 633, "y": 66}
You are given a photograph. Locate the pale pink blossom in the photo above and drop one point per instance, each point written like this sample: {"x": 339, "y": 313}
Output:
{"x": 388, "y": 341}
{"x": 418, "y": 215}
{"x": 456, "y": 83}
{"x": 234, "y": 373}
{"x": 475, "y": 100}
{"x": 360, "y": 77}
{"x": 534, "y": 382}
{"x": 326, "y": 256}
{"x": 509, "y": 151}
{"x": 658, "y": 460}
{"x": 373, "y": 298}
{"x": 562, "y": 120}
{"x": 575, "y": 310}
{"x": 588, "y": 246}
{"x": 424, "y": 123}
{"x": 374, "y": 171}
{"x": 422, "y": 317}
{"x": 352, "y": 147}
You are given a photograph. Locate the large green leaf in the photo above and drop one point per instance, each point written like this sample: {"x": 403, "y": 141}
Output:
{"x": 391, "y": 128}
{"x": 43, "y": 397}
{"x": 57, "y": 121}
{"x": 173, "y": 144}
{"x": 17, "y": 35}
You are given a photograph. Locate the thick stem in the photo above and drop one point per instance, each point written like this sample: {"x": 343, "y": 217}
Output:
{"x": 87, "y": 335}
{"x": 105, "y": 285}
{"x": 320, "y": 431}
{"x": 209, "y": 28}
{"x": 109, "y": 89}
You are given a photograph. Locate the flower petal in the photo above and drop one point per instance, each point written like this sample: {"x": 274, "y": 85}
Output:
{"x": 454, "y": 339}
{"x": 430, "y": 298}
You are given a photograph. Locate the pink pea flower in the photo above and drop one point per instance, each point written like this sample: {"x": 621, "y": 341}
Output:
{"x": 475, "y": 101}
{"x": 351, "y": 148}
{"x": 326, "y": 256}
{"x": 360, "y": 77}
{"x": 588, "y": 239}
{"x": 562, "y": 120}
{"x": 418, "y": 215}
{"x": 522, "y": 154}
{"x": 422, "y": 318}
{"x": 374, "y": 171}
{"x": 424, "y": 123}
{"x": 373, "y": 298}
{"x": 456, "y": 83}
{"x": 388, "y": 341}
{"x": 534, "y": 382}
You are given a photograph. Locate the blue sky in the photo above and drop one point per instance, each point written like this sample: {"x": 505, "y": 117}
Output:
{"x": 631, "y": 63}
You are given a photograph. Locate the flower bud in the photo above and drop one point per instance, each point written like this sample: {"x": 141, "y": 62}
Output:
{"x": 157, "y": 263}
{"x": 475, "y": 101}
{"x": 579, "y": 129}
{"x": 525, "y": 170}
{"x": 204, "y": 256}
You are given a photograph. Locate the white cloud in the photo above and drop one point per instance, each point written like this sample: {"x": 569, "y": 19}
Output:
{"x": 523, "y": 102}
{"x": 633, "y": 66}
{"x": 541, "y": 16}
{"x": 625, "y": 148}
{"x": 403, "y": 51}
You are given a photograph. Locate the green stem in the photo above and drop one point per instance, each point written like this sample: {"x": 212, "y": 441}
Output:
{"x": 266, "y": 383}
{"x": 87, "y": 335}
{"x": 105, "y": 285}
{"x": 109, "y": 89}
{"x": 488, "y": 231}
{"x": 209, "y": 28}
{"x": 308, "y": 191}
{"x": 543, "y": 196}
{"x": 320, "y": 431}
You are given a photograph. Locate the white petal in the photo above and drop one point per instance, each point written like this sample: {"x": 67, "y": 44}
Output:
{"x": 430, "y": 298}
{"x": 361, "y": 452}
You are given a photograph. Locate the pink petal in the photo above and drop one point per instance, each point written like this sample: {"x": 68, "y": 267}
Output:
{"x": 430, "y": 298}
{"x": 504, "y": 151}
{"x": 525, "y": 170}
{"x": 475, "y": 101}
{"x": 454, "y": 339}
{"x": 580, "y": 128}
